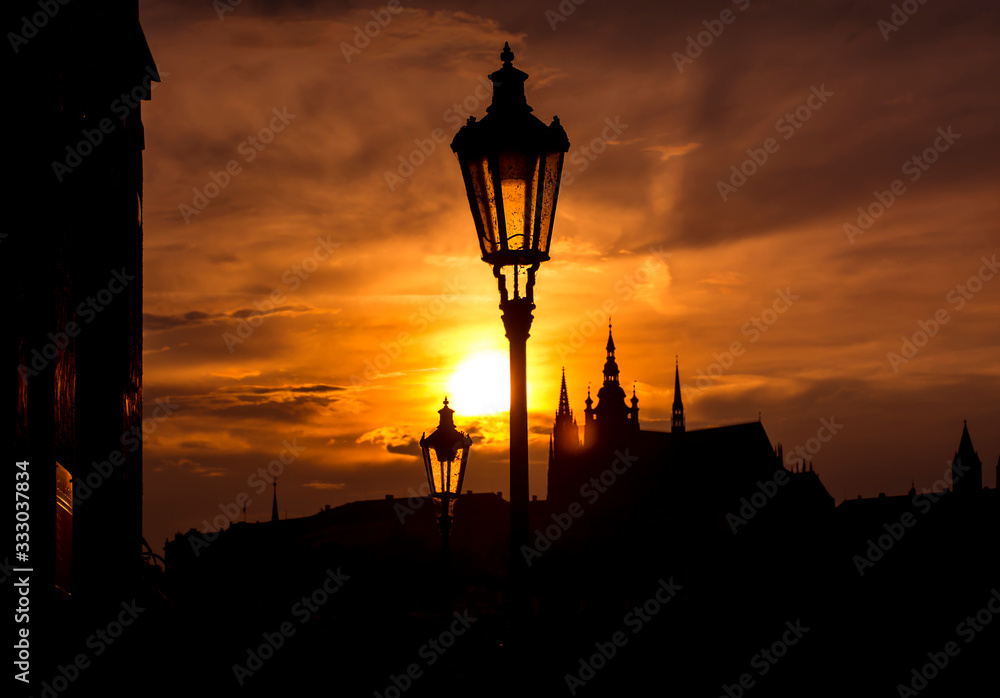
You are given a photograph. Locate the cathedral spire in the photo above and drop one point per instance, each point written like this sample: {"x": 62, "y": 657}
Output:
{"x": 565, "y": 436}
{"x": 610, "y": 365}
{"x": 966, "y": 468}
{"x": 563, "y": 397}
{"x": 677, "y": 418}
{"x": 274, "y": 501}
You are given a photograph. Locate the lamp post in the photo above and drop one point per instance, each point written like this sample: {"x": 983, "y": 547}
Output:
{"x": 511, "y": 163}
{"x": 446, "y": 455}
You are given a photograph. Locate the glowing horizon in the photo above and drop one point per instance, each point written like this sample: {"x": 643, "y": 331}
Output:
{"x": 348, "y": 242}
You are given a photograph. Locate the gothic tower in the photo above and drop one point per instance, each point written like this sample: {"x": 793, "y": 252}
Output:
{"x": 566, "y": 434}
{"x": 612, "y": 416}
{"x": 677, "y": 418}
{"x": 590, "y": 421}
{"x": 966, "y": 468}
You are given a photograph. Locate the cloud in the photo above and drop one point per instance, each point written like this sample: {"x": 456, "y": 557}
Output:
{"x": 672, "y": 151}
{"x": 318, "y": 485}
{"x": 394, "y": 439}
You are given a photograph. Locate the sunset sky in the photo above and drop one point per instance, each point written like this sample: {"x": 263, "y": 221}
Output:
{"x": 345, "y": 223}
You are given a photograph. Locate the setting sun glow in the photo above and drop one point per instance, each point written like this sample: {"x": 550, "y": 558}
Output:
{"x": 481, "y": 385}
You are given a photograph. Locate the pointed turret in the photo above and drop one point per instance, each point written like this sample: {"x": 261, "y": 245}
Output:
{"x": 613, "y": 417}
{"x": 589, "y": 420}
{"x": 565, "y": 431}
{"x": 610, "y": 365}
{"x": 564, "y": 397}
{"x": 633, "y": 411}
{"x": 966, "y": 468}
{"x": 677, "y": 417}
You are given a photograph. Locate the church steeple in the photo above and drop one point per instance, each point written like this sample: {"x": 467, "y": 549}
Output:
{"x": 566, "y": 434}
{"x": 610, "y": 365}
{"x": 966, "y": 468}
{"x": 612, "y": 417}
{"x": 564, "y": 397}
{"x": 677, "y": 418}
{"x": 274, "y": 501}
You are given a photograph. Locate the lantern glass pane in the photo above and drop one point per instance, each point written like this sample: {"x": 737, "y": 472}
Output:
{"x": 550, "y": 187}
{"x": 456, "y": 483}
{"x": 446, "y": 475}
{"x": 516, "y": 183}
{"x": 482, "y": 185}
{"x": 442, "y": 476}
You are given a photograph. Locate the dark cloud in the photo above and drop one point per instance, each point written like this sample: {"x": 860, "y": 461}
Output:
{"x": 409, "y": 448}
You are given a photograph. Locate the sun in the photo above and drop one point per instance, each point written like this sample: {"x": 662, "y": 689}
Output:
{"x": 481, "y": 385}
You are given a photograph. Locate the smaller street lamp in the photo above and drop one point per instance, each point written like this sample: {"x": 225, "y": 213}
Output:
{"x": 446, "y": 455}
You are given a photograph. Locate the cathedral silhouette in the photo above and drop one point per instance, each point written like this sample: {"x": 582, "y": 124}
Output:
{"x": 705, "y": 552}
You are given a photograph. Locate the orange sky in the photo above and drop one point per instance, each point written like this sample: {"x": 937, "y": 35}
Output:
{"x": 652, "y": 226}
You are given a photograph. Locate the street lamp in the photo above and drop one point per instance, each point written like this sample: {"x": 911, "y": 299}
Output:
{"x": 446, "y": 455}
{"x": 511, "y": 163}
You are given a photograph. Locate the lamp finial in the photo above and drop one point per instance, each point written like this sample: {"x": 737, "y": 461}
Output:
{"x": 507, "y": 56}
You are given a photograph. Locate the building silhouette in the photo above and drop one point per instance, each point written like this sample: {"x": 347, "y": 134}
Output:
{"x": 750, "y": 536}
{"x": 74, "y": 252}
{"x": 966, "y": 468}
{"x": 612, "y": 417}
